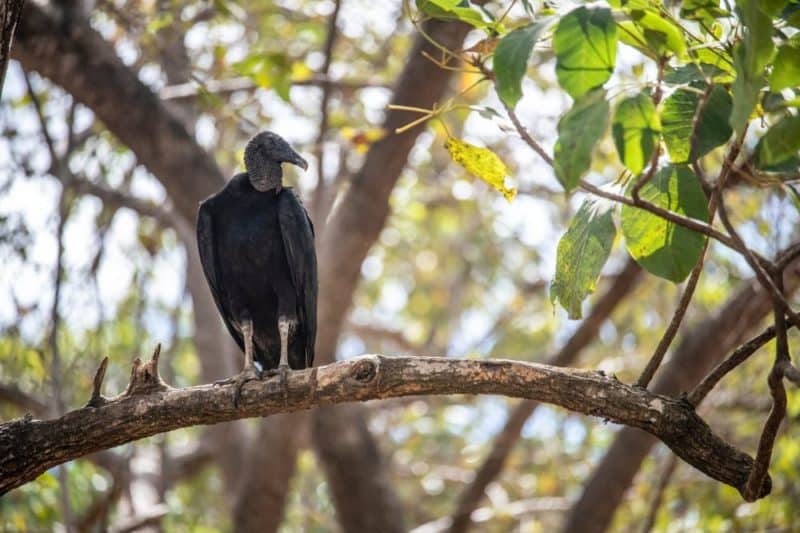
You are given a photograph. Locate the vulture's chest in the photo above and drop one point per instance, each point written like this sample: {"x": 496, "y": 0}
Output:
{"x": 250, "y": 231}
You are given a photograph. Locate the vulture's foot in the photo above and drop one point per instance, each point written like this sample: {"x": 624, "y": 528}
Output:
{"x": 283, "y": 372}
{"x": 250, "y": 373}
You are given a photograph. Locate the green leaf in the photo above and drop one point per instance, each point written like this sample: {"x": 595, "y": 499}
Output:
{"x": 786, "y": 67}
{"x": 772, "y": 7}
{"x": 481, "y": 162}
{"x": 585, "y": 44}
{"x": 745, "y": 90}
{"x": 780, "y": 144}
{"x": 511, "y": 61}
{"x": 579, "y": 130}
{"x": 636, "y": 129}
{"x": 750, "y": 57}
{"x": 695, "y": 72}
{"x": 758, "y": 35}
{"x": 662, "y": 247}
{"x": 581, "y": 254}
{"x": 660, "y": 33}
{"x": 718, "y": 57}
{"x": 704, "y": 10}
{"x": 678, "y": 120}
{"x": 453, "y": 10}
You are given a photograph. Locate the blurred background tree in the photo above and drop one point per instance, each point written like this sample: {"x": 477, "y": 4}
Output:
{"x": 118, "y": 117}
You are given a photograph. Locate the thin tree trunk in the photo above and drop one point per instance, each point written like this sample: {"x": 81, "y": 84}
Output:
{"x": 10, "y": 11}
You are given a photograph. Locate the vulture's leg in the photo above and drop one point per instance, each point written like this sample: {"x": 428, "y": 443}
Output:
{"x": 285, "y": 327}
{"x": 249, "y": 372}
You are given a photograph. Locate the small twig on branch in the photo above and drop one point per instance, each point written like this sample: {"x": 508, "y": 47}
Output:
{"x": 319, "y": 143}
{"x": 694, "y": 277}
{"x": 97, "y": 398}
{"x": 675, "y": 323}
{"x": 739, "y": 356}
{"x": 787, "y": 257}
{"x": 776, "y": 389}
{"x": 764, "y": 270}
{"x": 790, "y": 372}
{"x": 30, "y": 447}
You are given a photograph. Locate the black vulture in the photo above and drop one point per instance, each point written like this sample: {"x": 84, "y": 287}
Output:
{"x": 257, "y": 249}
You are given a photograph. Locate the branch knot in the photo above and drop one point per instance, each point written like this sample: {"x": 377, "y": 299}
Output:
{"x": 145, "y": 378}
{"x": 364, "y": 371}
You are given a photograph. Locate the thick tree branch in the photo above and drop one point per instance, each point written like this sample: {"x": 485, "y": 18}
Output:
{"x": 148, "y": 406}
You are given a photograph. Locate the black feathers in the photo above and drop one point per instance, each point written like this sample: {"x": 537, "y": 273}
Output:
{"x": 256, "y": 245}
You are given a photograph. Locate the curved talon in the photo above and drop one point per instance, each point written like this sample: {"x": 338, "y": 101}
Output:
{"x": 282, "y": 371}
{"x": 248, "y": 374}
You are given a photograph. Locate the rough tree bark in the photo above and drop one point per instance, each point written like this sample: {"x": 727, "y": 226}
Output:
{"x": 148, "y": 406}
{"x": 10, "y": 11}
{"x": 697, "y": 353}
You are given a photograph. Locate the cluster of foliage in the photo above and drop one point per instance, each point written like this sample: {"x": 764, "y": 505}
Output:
{"x": 721, "y": 71}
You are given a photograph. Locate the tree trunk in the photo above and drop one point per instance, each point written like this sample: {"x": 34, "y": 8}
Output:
{"x": 10, "y": 11}
{"x": 350, "y": 232}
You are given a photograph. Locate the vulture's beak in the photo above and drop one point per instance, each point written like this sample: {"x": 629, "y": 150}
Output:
{"x": 296, "y": 159}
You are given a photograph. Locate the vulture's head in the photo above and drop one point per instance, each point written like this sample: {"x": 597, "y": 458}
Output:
{"x": 263, "y": 157}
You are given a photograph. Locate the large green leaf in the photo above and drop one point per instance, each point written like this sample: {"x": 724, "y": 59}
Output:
{"x": 511, "y": 61}
{"x": 780, "y": 144}
{"x": 786, "y": 67}
{"x": 659, "y": 33}
{"x": 758, "y": 35}
{"x": 662, "y": 247}
{"x": 750, "y": 57}
{"x": 636, "y": 128}
{"x": 585, "y": 44}
{"x": 579, "y": 130}
{"x": 581, "y": 254}
{"x": 453, "y": 10}
{"x": 678, "y": 121}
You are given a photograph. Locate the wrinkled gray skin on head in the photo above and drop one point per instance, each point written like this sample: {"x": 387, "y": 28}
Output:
{"x": 263, "y": 157}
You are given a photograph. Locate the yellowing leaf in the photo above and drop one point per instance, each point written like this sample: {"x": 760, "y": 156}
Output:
{"x": 482, "y": 163}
